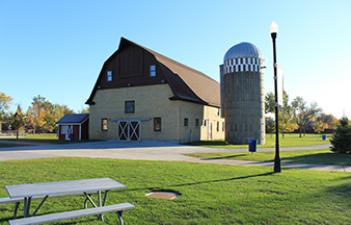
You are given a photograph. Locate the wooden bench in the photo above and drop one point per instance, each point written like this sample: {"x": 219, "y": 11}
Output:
{"x": 119, "y": 208}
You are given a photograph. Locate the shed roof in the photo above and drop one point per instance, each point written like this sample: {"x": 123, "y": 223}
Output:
{"x": 73, "y": 118}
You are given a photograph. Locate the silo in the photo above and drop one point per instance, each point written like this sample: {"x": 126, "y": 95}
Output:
{"x": 242, "y": 94}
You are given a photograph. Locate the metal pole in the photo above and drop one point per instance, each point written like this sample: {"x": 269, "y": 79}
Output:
{"x": 277, "y": 166}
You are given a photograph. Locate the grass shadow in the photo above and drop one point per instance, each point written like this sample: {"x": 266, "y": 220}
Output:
{"x": 197, "y": 182}
{"x": 324, "y": 158}
{"x": 225, "y": 157}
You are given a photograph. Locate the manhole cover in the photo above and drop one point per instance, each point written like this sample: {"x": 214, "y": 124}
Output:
{"x": 160, "y": 194}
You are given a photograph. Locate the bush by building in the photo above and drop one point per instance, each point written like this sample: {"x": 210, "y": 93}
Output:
{"x": 341, "y": 141}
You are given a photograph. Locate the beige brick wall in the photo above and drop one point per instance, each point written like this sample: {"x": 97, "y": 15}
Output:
{"x": 152, "y": 101}
{"x": 212, "y": 117}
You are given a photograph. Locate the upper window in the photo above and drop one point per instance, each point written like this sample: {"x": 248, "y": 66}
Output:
{"x": 152, "y": 70}
{"x": 109, "y": 75}
{"x": 129, "y": 106}
{"x": 104, "y": 124}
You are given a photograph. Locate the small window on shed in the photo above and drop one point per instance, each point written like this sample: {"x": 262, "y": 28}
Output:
{"x": 157, "y": 124}
{"x": 104, "y": 124}
{"x": 152, "y": 70}
{"x": 186, "y": 122}
{"x": 109, "y": 75}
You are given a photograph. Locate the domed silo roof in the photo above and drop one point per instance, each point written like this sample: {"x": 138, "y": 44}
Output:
{"x": 242, "y": 50}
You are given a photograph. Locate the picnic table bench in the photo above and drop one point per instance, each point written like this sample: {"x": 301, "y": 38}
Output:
{"x": 86, "y": 187}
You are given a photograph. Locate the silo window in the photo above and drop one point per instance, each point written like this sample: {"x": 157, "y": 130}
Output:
{"x": 217, "y": 127}
{"x": 186, "y": 122}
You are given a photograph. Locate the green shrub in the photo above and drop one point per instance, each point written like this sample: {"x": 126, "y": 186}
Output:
{"x": 341, "y": 140}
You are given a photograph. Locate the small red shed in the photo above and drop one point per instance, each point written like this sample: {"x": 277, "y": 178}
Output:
{"x": 73, "y": 127}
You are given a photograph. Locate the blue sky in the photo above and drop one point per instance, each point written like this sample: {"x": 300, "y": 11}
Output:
{"x": 56, "y": 48}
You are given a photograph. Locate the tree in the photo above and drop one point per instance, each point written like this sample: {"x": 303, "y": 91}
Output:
{"x": 304, "y": 115}
{"x": 39, "y": 108}
{"x": 269, "y": 102}
{"x": 270, "y": 126}
{"x": 18, "y": 120}
{"x": 299, "y": 109}
{"x": 4, "y": 104}
{"x": 341, "y": 141}
{"x": 323, "y": 121}
{"x": 55, "y": 113}
{"x": 42, "y": 115}
{"x": 287, "y": 122}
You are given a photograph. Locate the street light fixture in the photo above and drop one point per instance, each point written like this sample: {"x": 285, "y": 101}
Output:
{"x": 274, "y": 31}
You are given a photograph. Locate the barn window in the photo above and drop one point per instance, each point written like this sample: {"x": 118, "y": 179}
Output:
{"x": 109, "y": 76}
{"x": 152, "y": 70}
{"x": 157, "y": 124}
{"x": 186, "y": 122}
{"x": 104, "y": 124}
{"x": 129, "y": 106}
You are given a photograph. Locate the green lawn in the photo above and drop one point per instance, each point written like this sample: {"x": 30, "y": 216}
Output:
{"x": 286, "y": 141}
{"x": 211, "y": 194}
{"x": 324, "y": 156}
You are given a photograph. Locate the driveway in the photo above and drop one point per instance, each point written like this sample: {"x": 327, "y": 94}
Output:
{"x": 146, "y": 150}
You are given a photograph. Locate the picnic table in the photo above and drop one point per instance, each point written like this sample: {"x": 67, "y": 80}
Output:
{"x": 86, "y": 187}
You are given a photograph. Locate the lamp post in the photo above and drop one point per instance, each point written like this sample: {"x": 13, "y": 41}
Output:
{"x": 277, "y": 166}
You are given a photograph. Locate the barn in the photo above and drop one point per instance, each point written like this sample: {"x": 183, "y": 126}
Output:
{"x": 73, "y": 127}
{"x": 143, "y": 95}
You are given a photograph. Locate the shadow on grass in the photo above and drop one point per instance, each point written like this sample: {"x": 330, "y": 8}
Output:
{"x": 225, "y": 157}
{"x": 199, "y": 182}
{"x": 343, "y": 190}
{"x": 324, "y": 158}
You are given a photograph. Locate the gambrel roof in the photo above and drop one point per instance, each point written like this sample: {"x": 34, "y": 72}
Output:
{"x": 186, "y": 83}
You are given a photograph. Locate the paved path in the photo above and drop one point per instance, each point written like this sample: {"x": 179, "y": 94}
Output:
{"x": 148, "y": 150}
